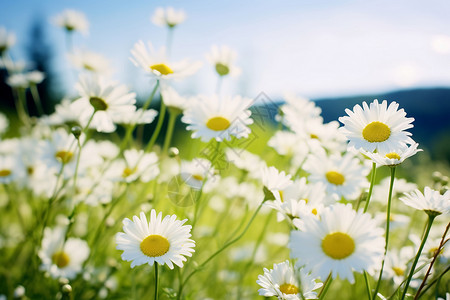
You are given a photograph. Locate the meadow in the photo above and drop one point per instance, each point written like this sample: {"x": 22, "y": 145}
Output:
{"x": 210, "y": 196}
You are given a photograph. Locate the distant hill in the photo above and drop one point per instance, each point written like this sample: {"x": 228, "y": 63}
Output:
{"x": 429, "y": 107}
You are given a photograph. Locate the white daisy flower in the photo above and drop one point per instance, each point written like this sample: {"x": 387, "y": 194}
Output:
{"x": 431, "y": 201}
{"x": 340, "y": 242}
{"x": 107, "y": 99}
{"x": 11, "y": 169}
{"x": 64, "y": 114}
{"x": 297, "y": 108}
{"x": 138, "y": 116}
{"x": 274, "y": 180}
{"x": 397, "y": 264}
{"x": 59, "y": 258}
{"x": 343, "y": 176}
{"x": 393, "y": 158}
{"x": 197, "y": 172}
{"x": 136, "y": 165}
{"x": 377, "y": 127}
{"x": 7, "y": 40}
{"x": 72, "y": 20}
{"x": 157, "y": 65}
{"x": 286, "y": 283}
{"x": 18, "y": 80}
{"x": 222, "y": 58}
{"x": 173, "y": 100}
{"x": 89, "y": 61}
{"x": 35, "y": 77}
{"x": 216, "y": 118}
{"x": 246, "y": 161}
{"x": 164, "y": 241}
{"x": 168, "y": 17}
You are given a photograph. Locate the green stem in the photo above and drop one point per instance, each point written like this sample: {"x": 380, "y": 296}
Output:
{"x": 36, "y": 98}
{"x": 366, "y": 279}
{"x": 156, "y": 280}
{"x": 424, "y": 239}
{"x": 372, "y": 181}
{"x": 172, "y": 119}
{"x": 441, "y": 245}
{"x": 20, "y": 108}
{"x": 131, "y": 127}
{"x": 325, "y": 288}
{"x": 228, "y": 244}
{"x": 388, "y": 220}
{"x": 162, "y": 112}
{"x": 437, "y": 279}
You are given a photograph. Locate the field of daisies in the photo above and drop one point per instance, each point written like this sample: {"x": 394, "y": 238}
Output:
{"x": 226, "y": 197}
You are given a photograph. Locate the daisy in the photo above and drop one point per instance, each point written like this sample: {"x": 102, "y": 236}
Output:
{"x": 157, "y": 65}
{"x": 197, "y": 173}
{"x": 340, "y": 242}
{"x": 397, "y": 264}
{"x": 378, "y": 127}
{"x": 393, "y": 158}
{"x": 11, "y": 169}
{"x": 168, "y": 17}
{"x": 89, "y": 61}
{"x": 108, "y": 100}
{"x": 64, "y": 114}
{"x": 222, "y": 59}
{"x": 431, "y": 201}
{"x": 343, "y": 176}
{"x": 62, "y": 258}
{"x": 219, "y": 119}
{"x": 297, "y": 108}
{"x": 136, "y": 165}
{"x": 173, "y": 100}
{"x": 7, "y": 40}
{"x": 274, "y": 180}
{"x": 246, "y": 161}
{"x": 165, "y": 241}
{"x": 138, "y": 116}
{"x": 286, "y": 283}
{"x": 72, "y": 20}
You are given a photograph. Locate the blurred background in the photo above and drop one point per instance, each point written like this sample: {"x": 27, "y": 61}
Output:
{"x": 336, "y": 52}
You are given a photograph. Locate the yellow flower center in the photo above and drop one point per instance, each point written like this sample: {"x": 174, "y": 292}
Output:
{"x": 287, "y": 288}
{"x": 222, "y": 69}
{"x": 314, "y": 211}
{"x": 338, "y": 245}
{"x": 88, "y": 67}
{"x": 162, "y": 69}
{"x": 128, "y": 171}
{"x": 335, "y": 177}
{"x": 64, "y": 156}
{"x": 61, "y": 259}
{"x": 218, "y": 123}
{"x": 393, "y": 155}
{"x": 98, "y": 103}
{"x": 398, "y": 271}
{"x": 313, "y": 136}
{"x": 5, "y": 172}
{"x": 155, "y": 245}
{"x": 197, "y": 177}
{"x": 281, "y": 196}
{"x": 376, "y": 132}
{"x": 30, "y": 170}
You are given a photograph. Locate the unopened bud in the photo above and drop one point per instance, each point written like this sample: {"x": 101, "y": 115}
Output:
{"x": 173, "y": 152}
{"x": 76, "y": 131}
{"x": 436, "y": 176}
{"x": 66, "y": 289}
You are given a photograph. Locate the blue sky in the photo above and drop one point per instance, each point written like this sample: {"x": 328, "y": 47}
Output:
{"x": 314, "y": 48}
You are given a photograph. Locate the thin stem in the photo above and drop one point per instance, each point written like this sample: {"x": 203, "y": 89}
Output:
{"x": 366, "y": 279}
{"x": 372, "y": 181}
{"x": 388, "y": 220}
{"x": 131, "y": 127}
{"x": 172, "y": 119}
{"x": 325, "y": 288}
{"x": 162, "y": 112}
{"x": 37, "y": 99}
{"x": 424, "y": 239}
{"x": 437, "y": 279}
{"x": 19, "y": 103}
{"x": 441, "y": 245}
{"x": 228, "y": 244}
{"x": 156, "y": 280}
